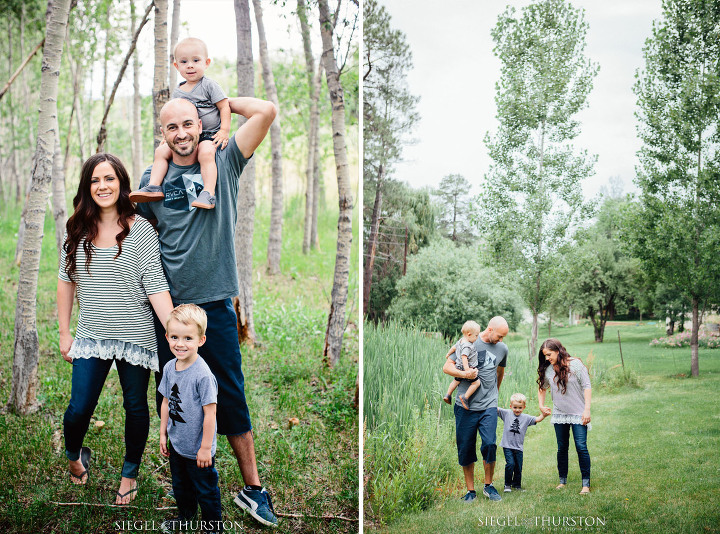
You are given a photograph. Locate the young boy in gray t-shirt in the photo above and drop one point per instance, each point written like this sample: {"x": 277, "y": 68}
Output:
{"x": 515, "y": 425}
{"x": 187, "y": 419}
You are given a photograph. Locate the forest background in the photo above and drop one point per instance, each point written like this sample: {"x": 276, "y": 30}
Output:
{"x": 301, "y": 379}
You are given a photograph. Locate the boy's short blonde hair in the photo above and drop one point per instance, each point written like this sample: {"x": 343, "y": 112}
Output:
{"x": 518, "y": 397}
{"x": 189, "y": 314}
{"x": 191, "y": 41}
{"x": 470, "y": 327}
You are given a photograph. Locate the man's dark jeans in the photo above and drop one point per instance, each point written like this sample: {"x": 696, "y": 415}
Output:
{"x": 513, "y": 467}
{"x": 562, "y": 432}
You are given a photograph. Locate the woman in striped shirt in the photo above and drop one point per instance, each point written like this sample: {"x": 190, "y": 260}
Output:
{"x": 111, "y": 260}
{"x": 569, "y": 384}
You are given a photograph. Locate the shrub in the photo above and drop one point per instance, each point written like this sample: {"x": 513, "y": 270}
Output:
{"x": 446, "y": 285}
{"x": 706, "y": 340}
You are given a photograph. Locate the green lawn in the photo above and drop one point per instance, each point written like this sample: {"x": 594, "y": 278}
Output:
{"x": 654, "y": 450}
{"x": 311, "y": 469}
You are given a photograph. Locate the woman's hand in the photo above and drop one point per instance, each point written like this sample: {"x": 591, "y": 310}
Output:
{"x": 586, "y": 416}
{"x": 545, "y": 410}
{"x": 66, "y": 341}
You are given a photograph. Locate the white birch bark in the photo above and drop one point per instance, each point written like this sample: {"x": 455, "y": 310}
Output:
{"x": 174, "y": 35}
{"x": 58, "y": 191}
{"x": 318, "y": 193}
{"x": 161, "y": 92}
{"x": 137, "y": 146}
{"x": 276, "y": 209}
{"x": 336, "y": 317}
{"x": 246, "y": 195}
{"x": 27, "y": 347}
{"x": 310, "y": 68}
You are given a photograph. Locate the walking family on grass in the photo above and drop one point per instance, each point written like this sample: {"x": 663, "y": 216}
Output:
{"x": 154, "y": 284}
{"x": 477, "y": 362}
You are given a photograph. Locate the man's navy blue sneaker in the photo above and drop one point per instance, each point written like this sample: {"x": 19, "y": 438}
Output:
{"x": 258, "y": 504}
{"x": 491, "y": 493}
{"x": 469, "y": 496}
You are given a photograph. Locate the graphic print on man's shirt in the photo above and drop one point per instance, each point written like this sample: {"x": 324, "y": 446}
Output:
{"x": 174, "y": 403}
{"x": 486, "y": 359}
{"x": 182, "y": 191}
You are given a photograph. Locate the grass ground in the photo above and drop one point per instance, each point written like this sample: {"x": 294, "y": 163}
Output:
{"x": 654, "y": 448}
{"x": 310, "y": 469}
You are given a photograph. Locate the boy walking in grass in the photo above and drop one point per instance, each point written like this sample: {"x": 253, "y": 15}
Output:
{"x": 187, "y": 418}
{"x": 515, "y": 425}
{"x": 191, "y": 59}
{"x": 468, "y": 360}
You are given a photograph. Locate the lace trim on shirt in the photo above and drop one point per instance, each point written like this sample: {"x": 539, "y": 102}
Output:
{"x": 567, "y": 419}
{"x": 108, "y": 349}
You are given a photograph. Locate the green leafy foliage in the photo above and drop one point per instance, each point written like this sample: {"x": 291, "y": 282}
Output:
{"x": 447, "y": 285}
{"x": 533, "y": 196}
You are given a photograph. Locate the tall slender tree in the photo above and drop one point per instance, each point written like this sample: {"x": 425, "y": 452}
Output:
{"x": 532, "y": 191}
{"x": 174, "y": 35}
{"x": 276, "y": 209}
{"x": 27, "y": 347}
{"x": 246, "y": 197}
{"x": 336, "y": 317}
{"x": 137, "y": 146}
{"x": 161, "y": 92}
{"x": 312, "y": 171}
{"x": 678, "y": 227}
{"x": 388, "y": 115}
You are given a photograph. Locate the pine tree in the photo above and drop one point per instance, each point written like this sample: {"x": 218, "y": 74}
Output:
{"x": 515, "y": 428}
{"x": 174, "y": 403}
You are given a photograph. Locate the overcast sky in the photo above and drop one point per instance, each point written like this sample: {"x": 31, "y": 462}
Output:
{"x": 455, "y": 72}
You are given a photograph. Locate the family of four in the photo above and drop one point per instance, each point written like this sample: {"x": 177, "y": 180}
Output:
{"x": 154, "y": 285}
{"x": 477, "y": 363}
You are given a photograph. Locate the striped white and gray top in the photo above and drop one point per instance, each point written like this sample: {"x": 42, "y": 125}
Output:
{"x": 568, "y": 407}
{"x": 113, "y": 297}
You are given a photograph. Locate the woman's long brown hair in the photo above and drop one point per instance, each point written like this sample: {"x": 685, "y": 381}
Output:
{"x": 561, "y": 376}
{"x": 83, "y": 223}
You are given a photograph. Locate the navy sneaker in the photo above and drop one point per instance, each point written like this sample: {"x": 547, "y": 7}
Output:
{"x": 491, "y": 493}
{"x": 507, "y": 489}
{"x": 258, "y": 504}
{"x": 469, "y": 496}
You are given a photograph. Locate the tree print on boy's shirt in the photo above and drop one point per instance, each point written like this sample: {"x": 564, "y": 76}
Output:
{"x": 174, "y": 403}
{"x": 182, "y": 191}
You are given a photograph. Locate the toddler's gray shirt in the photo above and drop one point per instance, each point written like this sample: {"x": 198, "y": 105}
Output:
{"x": 187, "y": 392}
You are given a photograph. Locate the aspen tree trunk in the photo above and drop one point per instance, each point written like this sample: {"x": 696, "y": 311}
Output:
{"x": 137, "y": 146}
{"x": 58, "y": 191}
{"x": 336, "y": 317}
{"x": 27, "y": 347}
{"x": 309, "y": 171}
{"x": 30, "y": 104}
{"x": 174, "y": 34}
{"x": 318, "y": 195}
{"x": 12, "y": 109}
{"x": 372, "y": 240}
{"x": 246, "y": 194}
{"x": 161, "y": 92}
{"x": 276, "y": 210}
{"x": 77, "y": 104}
{"x": 106, "y": 56}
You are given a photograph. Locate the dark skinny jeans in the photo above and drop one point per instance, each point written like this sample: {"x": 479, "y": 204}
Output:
{"x": 562, "y": 432}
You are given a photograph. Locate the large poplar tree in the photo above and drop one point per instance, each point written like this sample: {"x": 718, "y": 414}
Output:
{"x": 533, "y": 190}
{"x": 678, "y": 227}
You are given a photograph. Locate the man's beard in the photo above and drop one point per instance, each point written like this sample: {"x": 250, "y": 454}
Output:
{"x": 187, "y": 149}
